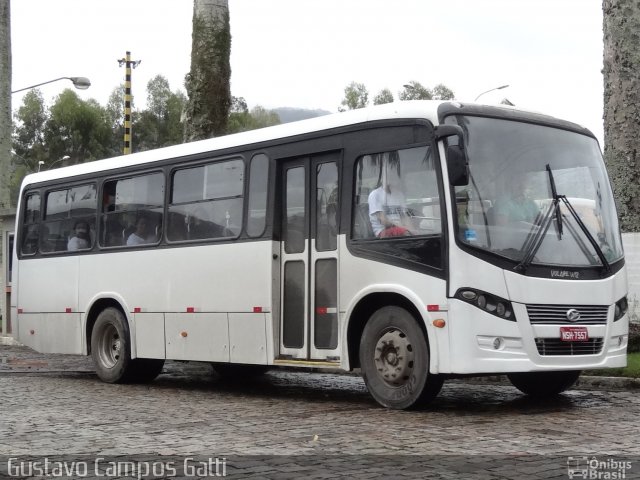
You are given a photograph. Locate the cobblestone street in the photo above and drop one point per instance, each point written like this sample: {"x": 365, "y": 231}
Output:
{"x": 55, "y": 405}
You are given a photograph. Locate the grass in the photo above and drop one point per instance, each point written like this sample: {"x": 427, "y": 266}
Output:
{"x": 631, "y": 370}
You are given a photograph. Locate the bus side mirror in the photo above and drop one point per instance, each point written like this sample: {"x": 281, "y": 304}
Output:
{"x": 457, "y": 160}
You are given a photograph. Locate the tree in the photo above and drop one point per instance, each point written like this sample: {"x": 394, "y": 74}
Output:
{"x": 78, "y": 129}
{"x": 385, "y": 96}
{"x": 28, "y": 139}
{"x": 207, "y": 83}
{"x": 415, "y": 91}
{"x": 442, "y": 92}
{"x": 242, "y": 120}
{"x": 160, "y": 125}
{"x": 30, "y": 123}
{"x": 115, "y": 117}
{"x": 356, "y": 96}
{"x": 5, "y": 106}
{"x": 263, "y": 117}
{"x": 622, "y": 107}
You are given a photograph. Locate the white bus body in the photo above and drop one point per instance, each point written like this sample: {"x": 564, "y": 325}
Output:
{"x": 287, "y": 271}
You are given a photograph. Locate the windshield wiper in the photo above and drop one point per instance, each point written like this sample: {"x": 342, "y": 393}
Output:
{"x": 532, "y": 244}
{"x": 556, "y": 203}
{"x": 538, "y": 237}
{"x": 587, "y": 233}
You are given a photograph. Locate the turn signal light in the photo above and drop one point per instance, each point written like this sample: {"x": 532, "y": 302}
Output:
{"x": 439, "y": 323}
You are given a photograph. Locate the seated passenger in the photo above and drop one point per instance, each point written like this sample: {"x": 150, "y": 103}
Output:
{"x": 141, "y": 235}
{"x": 387, "y": 211}
{"x": 81, "y": 239}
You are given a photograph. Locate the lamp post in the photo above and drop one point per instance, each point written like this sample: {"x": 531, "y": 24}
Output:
{"x": 491, "y": 90}
{"x": 41, "y": 163}
{"x": 81, "y": 83}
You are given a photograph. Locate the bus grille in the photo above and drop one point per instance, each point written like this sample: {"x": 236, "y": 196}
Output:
{"x": 555, "y": 346}
{"x": 557, "y": 314}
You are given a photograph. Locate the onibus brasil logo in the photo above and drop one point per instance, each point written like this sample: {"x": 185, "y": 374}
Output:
{"x": 597, "y": 468}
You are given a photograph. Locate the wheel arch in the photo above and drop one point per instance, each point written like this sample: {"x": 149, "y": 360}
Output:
{"x": 368, "y": 302}
{"x": 99, "y": 304}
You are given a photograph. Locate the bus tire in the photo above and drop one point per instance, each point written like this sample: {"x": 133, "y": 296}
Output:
{"x": 110, "y": 347}
{"x": 543, "y": 384}
{"x": 394, "y": 360}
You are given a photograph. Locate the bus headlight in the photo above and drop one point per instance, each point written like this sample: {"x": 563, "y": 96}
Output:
{"x": 621, "y": 308}
{"x": 489, "y": 303}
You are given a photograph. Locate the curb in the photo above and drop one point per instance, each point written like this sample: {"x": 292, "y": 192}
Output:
{"x": 8, "y": 340}
{"x": 614, "y": 383}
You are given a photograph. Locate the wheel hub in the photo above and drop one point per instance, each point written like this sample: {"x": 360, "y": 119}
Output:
{"x": 109, "y": 346}
{"x": 394, "y": 357}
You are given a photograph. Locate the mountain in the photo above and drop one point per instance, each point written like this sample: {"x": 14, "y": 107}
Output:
{"x": 290, "y": 114}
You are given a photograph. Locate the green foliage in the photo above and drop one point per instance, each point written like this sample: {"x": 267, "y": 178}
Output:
{"x": 30, "y": 122}
{"x": 114, "y": 111}
{"x": 72, "y": 129}
{"x": 77, "y": 128}
{"x": 385, "y": 96}
{"x": 632, "y": 369}
{"x": 634, "y": 338}
{"x": 415, "y": 91}
{"x": 356, "y": 96}
{"x": 442, "y": 92}
{"x": 242, "y": 120}
{"x": 160, "y": 124}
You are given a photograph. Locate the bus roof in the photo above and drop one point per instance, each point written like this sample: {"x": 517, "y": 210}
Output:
{"x": 427, "y": 109}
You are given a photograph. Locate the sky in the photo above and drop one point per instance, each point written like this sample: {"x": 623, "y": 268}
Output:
{"x": 303, "y": 53}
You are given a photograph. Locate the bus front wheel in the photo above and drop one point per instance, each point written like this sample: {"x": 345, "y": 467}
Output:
{"x": 543, "y": 384}
{"x": 394, "y": 360}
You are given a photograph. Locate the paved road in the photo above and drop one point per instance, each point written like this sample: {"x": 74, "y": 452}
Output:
{"x": 289, "y": 424}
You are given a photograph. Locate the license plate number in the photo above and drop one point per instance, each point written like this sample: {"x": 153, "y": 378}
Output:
{"x": 574, "y": 334}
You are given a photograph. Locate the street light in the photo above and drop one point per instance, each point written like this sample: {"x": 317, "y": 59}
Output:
{"x": 40, "y": 163}
{"x": 491, "y": 90}
{"x": 81, "y": 83}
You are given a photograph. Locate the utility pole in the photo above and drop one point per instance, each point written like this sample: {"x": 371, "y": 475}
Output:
{"x": 129, "y": 64}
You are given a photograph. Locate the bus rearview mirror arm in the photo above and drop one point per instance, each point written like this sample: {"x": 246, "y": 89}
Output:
{"x": 457, "y": 160}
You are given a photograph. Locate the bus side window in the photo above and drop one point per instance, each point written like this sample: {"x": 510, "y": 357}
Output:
{"x": 66, "y": 210}
{"x": 129, "y": 205}
{"x": 210, "y": 200}
{"x": 31, "y": 225}
{"x": 258, "y": 184}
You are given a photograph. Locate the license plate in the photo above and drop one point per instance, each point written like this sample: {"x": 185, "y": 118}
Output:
{"x": 574, "y": 334}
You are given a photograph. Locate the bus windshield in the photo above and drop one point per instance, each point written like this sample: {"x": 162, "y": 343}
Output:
{"x": 510, "y": 191}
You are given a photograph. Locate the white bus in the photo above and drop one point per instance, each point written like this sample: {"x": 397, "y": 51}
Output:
{"x": 415, "y": 241}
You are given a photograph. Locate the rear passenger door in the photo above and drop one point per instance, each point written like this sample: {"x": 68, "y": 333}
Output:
{"x": 309, "y": 323}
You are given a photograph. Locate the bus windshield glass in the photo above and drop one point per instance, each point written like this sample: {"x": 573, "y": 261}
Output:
{"x": 509, "y": 194}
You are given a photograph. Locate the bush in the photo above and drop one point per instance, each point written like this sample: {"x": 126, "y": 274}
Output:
{"x": 634, "y": 337}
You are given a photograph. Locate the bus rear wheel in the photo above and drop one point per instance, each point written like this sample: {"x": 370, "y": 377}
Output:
{"x": 110, "y": 347}
{"x": 543, "y": 384}
{"x": 394, "y": 360}
{"x": 111, "y": 351}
